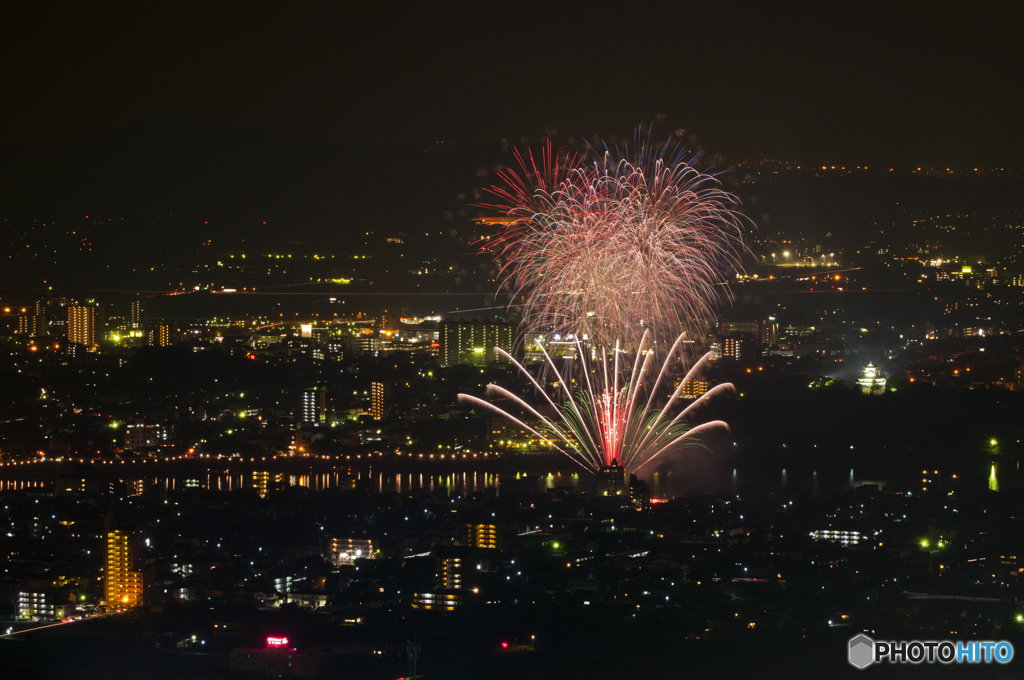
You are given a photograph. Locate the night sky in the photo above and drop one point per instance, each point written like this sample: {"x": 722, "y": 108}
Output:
{"x": 860, "y": 84}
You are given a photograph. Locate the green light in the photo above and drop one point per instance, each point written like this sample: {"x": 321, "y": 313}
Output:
{"x": 555, "y": 545}
{"x": 924, "y": 542}
{"x": 992, "y": 442}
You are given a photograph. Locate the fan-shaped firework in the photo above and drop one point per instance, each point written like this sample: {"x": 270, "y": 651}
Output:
{"x": 612, "y": 418}
{"x": 635, "y": 240}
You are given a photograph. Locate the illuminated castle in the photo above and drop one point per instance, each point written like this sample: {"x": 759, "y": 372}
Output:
{"x": 870, "y": 381}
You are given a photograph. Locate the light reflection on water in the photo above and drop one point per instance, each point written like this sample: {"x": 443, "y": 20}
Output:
{"x": 664, "y": 484}
{"x": 22, "y": 484}
{"x": 454, "y": 483}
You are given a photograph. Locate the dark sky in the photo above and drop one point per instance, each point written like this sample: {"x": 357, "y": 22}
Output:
{"x": 861, "y": 84}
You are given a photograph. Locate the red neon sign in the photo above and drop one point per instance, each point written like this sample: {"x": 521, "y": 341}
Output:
{"x": 277, "y": 642}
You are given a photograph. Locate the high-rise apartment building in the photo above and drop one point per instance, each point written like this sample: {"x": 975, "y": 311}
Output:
{"x": 448, "y": 572}
{"x": 314, "y": 406}
{"x": 137, "y": 320}
{"x": 763, "y": 331}
{"x": 487, "y": 536}
{"x": 32, "y": 320}
{"x": 379, "y": 397}
{"x": 126, "y": 556}
{"x": 390, "y": 322}
{"x": 30, "y": 323}
{"x": 159, "y": 336}
{"x": 473, "y": 341}
{"x": 85, "y": 324}
{"x": 738, "y": 346}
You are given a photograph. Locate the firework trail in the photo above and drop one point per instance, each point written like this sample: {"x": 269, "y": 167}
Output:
{"x": 612, "y": 419}
{"x": 634, "y": 239}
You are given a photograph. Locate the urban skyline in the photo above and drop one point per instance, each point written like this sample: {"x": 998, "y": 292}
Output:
{"x": 349, "y": 341}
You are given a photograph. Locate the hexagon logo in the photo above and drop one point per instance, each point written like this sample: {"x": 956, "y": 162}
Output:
{"x": 861, "y": 651}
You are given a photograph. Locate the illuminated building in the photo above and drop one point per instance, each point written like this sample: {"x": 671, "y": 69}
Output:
{"x": 1018, "y": 378}
{"x": 38, "y": 605}
{"x": 73, "y": 485}
{"x": 968, "y": 276}
{"x": 760, "y": 331}
{"x": 85, "y": 325}
{"x": 126, "y": 555}
{"x": 278, "y": 658}
{"x": 265, "y": 482}
{"x": 448, "y": 572}
{"x": 694, "y": 389}
{"x": 444, "y": 602}
{"x": 308, "y": 599}
{"x": 284, "y": 584}
{"x": 159, "y": 336}
{"x": 769, "y": 332}
{"x": 473, "y": 341}
{"x": 845, "y": 538}
{"x": 487, "y": 536}
{"x": 32, "y": 323}
{"x": 738, "y": 346}
{"x": 314, "y": 406}
{"x": 360, "y": 345}
{"x": 379, "y": 394}
{"x": 611, "y": 481}
{"x": 390, "y": 322}
{"x": 139, "y": 435}
{"x": 870, "y": 381}
{"x": 33, "y": 605}
{"x": 348, "y": 550}
{"x": 137, "y": 320}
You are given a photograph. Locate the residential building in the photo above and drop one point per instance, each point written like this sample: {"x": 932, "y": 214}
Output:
{"x": 348, "y": 550}
{"x": 380, "y": 394}
{"x": 474, "y": 341}
{"x": 126, "y": 556}
{"x": 488, "y": 536}
{"x": 85, "y": 324}
{"x": 314, "y": 406}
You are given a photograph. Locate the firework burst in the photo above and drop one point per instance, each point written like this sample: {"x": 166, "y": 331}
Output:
{"x": 612, "y": 419}
{"x": 632, "y": 241}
